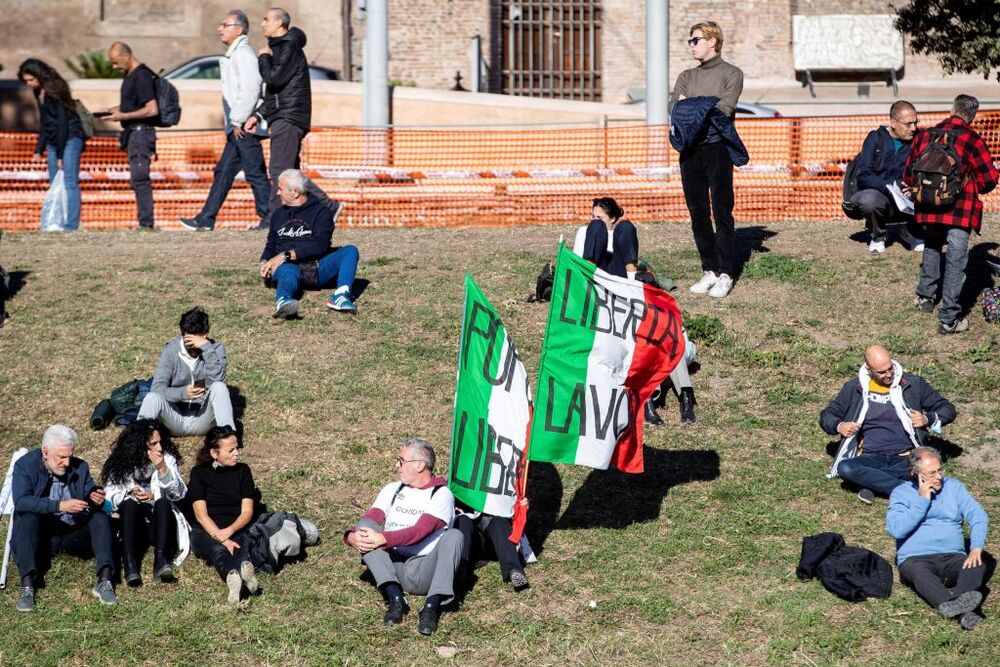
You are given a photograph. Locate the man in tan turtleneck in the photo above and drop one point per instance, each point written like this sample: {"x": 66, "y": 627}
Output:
{"x": 707, "y": 169}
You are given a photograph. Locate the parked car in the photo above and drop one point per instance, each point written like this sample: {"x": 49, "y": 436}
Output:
{"x": 207, "y": 67}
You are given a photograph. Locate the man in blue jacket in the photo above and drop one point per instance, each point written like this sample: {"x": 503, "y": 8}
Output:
{"x": 58, "y": 507}
{"x": 881, "y": 415}
{"x": 926, "y": 516}
{"x": 298, "y": 253}
{"x": 880, "y": 164}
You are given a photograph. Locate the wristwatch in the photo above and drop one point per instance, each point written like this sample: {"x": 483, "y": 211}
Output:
{"x": 288, "y": 255}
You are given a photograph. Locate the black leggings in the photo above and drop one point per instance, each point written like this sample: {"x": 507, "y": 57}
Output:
{"x": 212, "y": 552}
{"x": 144, "y": 524}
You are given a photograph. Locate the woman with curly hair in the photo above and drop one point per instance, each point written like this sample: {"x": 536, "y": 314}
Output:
{"x": 142, "y": 482}
{"x": 223, "y": 500}
{"x": 60, "y": 132}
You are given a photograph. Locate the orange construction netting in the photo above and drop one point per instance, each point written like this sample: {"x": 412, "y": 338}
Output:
{"x": 461, "y": 176}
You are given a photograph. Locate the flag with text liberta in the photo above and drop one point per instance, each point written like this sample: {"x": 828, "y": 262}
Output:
{"x": 492, "y": 414}
{"x": 609, "y": 343}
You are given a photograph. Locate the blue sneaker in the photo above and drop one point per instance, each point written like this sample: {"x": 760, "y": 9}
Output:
{"x": 285, "y": 309}
{"x": 341, "y": 302}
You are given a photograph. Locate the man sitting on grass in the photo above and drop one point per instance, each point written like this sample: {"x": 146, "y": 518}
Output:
{"x": 298, "y": 253}
{"x": 925, "y": 516}
{"x": 57, "y": 508}
{"x": 881, "y": 415}
{"x": 189, "y": 394}
{"x": 406, "y": 539}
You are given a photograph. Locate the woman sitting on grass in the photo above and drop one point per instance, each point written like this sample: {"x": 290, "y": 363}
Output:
{"x": 223, "y": 501}
{"x": 142, "y": 482}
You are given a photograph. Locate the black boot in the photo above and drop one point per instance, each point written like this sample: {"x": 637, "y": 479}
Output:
{"x": 163, "y": 571}
{"x": 131, "y": 567}
{"x": 652, "y": 418}
{"x": 687, "y": 405}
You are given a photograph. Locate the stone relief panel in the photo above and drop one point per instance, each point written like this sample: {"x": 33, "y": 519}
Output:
{"x": 846, "y": 42}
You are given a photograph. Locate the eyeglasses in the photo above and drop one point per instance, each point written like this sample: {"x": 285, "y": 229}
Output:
{"x": 911, "y": 123}
{"x": 229, "y": 25}
{"x": 400, "y": 460}
{"x": 694, "y": 40}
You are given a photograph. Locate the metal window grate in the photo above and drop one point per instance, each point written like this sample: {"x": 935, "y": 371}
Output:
{"x": 550, "y": 48}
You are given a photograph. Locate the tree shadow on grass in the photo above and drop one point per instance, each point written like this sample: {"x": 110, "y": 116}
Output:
{"x": 614, "y": 499}
{"x": 979, "y": 275}
{"x": 748, "y": 241}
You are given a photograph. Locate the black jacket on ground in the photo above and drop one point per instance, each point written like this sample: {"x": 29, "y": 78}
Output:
{"x": 287, "y": 92}
{"x": 306, "y": 229}
{"x": 879, "y": 163}
{"x": 917, "y": 395}
{"x": 851, "y": 573}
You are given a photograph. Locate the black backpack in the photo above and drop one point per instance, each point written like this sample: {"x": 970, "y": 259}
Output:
{"x": 168, "y": 100}
{"x": 851, "y": 183}
{"x": 937, "y": 171}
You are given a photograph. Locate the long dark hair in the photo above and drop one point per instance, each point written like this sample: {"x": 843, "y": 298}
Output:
{"x": 609, "y": 206}
{"x": 212, "y": 440}
{"x": 128, "y": 454}
{"x": 52, "y": 82}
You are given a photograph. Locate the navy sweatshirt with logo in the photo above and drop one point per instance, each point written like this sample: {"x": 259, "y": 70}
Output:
{"x": 306, "y": 229}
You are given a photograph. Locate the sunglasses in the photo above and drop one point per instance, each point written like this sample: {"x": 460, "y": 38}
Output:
{"x": 694, "y": 40}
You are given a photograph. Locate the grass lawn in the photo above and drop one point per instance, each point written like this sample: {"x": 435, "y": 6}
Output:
{"x": 691, "y": 563}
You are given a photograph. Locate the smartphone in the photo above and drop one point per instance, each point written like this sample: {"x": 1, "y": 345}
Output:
{"x": 101, "y": 114}
{"x": 200, "y": 383}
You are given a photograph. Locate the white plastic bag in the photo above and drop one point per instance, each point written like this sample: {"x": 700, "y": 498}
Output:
{"x": 54, "y": 210}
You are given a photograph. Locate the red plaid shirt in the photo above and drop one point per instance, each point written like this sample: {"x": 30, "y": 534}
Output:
{"x": 977, "y": 165}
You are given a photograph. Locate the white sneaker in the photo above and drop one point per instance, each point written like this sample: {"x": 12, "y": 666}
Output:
{"x": 918, "y": 248}
{"x": 722, "y": 287}
{"x": 705, "y": 284}
{"x": 877, "y": 247}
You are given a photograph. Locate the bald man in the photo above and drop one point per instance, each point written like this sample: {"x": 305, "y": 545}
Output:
{"x": 880, "y": 416}
{"x": 139, "y": 115}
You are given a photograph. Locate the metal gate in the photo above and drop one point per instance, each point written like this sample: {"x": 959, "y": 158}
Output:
{"x": 549, "y": 48}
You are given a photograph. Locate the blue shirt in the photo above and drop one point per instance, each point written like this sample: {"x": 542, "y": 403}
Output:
{"x": 933, "y": 527}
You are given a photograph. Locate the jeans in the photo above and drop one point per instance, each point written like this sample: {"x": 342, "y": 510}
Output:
{"x": 38, "y": 537}
{"x": 71, "y": 172}
{"x": 245, "y": 154}
{"x": 880, "y": 212}
{"x": 144, "y": 524}
{"x": 216, "y": 410}
{"x": 141, "y": 148}
{"x": 212, "y": 552}
{"x": 878, "y": 472}
{"x": 286, "y": 143}
{"x": 957, "y": 240}
{"x": 707, "y": 179}
{"x": 337, "y": 268}
{"x": 485, "y": 537}
{"x": 932, "y": 576}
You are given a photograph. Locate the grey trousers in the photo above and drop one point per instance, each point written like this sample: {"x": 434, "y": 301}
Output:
{"x": 433, "y": 574}
{"x": 286, "y": 144}
{"x": 880, "y": 211}
{"x": 957, "y": 240}
{"x": 217, "y": 410}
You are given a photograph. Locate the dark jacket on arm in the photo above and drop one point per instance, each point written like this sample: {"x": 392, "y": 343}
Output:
{"x": 31, "y": 483}
{"x": 306, "y": 229}
{"x": 288, "y": 92}
{"x": 693, "y": 118}
{"x": 917, "y": 395}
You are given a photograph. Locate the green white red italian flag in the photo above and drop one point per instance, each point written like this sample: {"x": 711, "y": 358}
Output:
{"x": 609, "y": 343}
{"x": 492, "y": 415}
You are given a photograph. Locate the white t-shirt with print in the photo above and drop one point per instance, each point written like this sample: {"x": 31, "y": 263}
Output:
{"x": 409, "y": 504}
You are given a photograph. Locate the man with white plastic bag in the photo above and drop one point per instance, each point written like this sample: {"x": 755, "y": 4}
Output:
{"x": 55, "y": 207}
